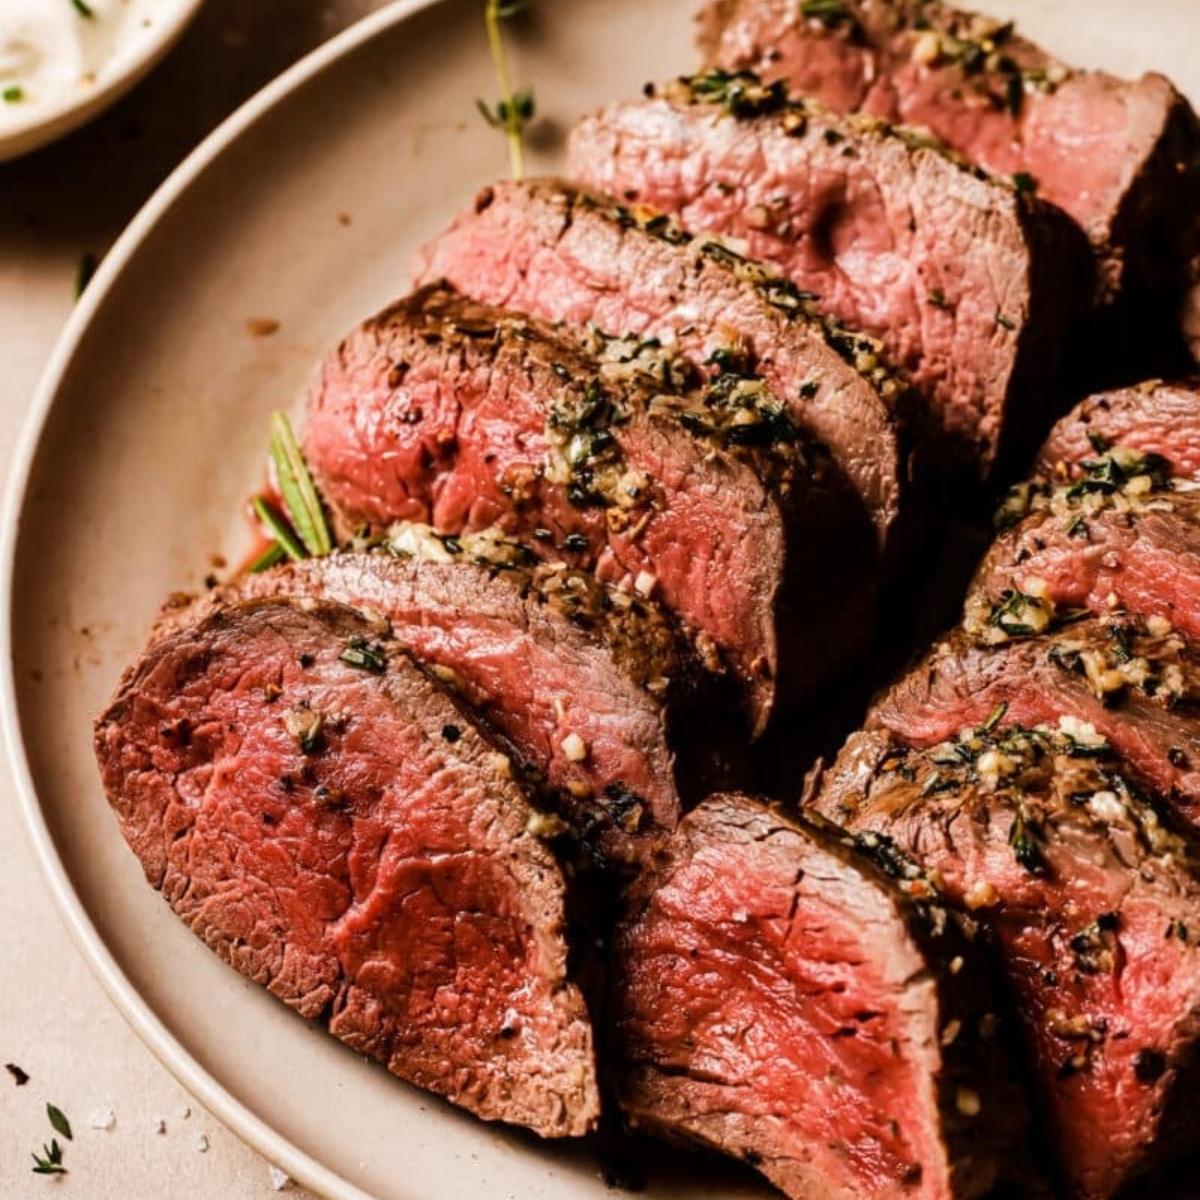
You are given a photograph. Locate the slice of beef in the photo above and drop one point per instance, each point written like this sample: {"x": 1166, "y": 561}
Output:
{"x": 330, "y": 822}
{"x": 446, "y": 411}
{"x": 1095, "y": 901}
{"x": 1155, "y": 417}
{"x": 560, "y": 254}
{"x": 587, "y": 685}
{"x": 970, "y": 284}
{"x": 1120, "y": 157}
{"x": 1125, "y": 535}
{"x": 781, "y": 998}
{"x": 1116, "y": 680}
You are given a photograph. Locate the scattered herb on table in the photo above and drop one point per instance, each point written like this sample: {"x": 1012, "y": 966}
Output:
{"x": 49, "y": 1162}
{"x": 84, "y": 9}
{"x": 59, "y": 1121}
{"x": 13, "y": 94}
{"x": 515, "y": 109}
{"x": 20, "y": 1077}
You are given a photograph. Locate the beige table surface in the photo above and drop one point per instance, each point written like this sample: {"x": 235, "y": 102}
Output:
{"x": 74, "y": 198}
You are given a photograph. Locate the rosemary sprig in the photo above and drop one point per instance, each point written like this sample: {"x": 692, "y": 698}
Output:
{"x": 285, "y": 539}
{"x": 273, "y": 554}
{"x": 514, "y": 110}
{"x": 299, "y": 493}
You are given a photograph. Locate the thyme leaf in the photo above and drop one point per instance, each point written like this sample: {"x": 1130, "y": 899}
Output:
{"x": 515, "y": 109}
{"x": 49, "y": 1162}
{"x": 299, "y": 492}
{"x": 84, "y": 9}
{"x": 59, "y": 1121}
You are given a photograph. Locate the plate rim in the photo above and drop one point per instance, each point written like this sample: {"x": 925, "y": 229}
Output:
{"x": 115, "y": 78}
{"x": 137, "y": 1013}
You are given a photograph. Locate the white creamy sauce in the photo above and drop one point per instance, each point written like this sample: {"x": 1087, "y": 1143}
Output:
{"x": 51, "y": 52}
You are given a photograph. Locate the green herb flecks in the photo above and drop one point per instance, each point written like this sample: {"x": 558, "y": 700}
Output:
{"x": 49, "y": 1162}
{"x": 824, "y": 10}
{"x": 298, "y": 490}
{"x": 1023, "y": 839}
{"x": 84, "y": 9}
{"x": 515, "y": 109}
{"x": 285, "y": 539}
{"x": 995, "y": 717}
{"x": 59, "y": 1121}
{"x": 1024, "y": 182}
{"x": 360, "y": 654}
{"x": 740, "y": 93}
{"x": 13, "y": 94}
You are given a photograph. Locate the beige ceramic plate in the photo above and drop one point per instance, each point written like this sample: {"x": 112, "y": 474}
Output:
{"x": 147, "y": 434}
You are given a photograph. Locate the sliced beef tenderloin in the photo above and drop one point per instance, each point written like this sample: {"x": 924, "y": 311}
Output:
{"x": 969, "y": 283}
{"x": 588, "y": 686}
{"x": 1094, "y": 899}
{"x": 781, "y": 998}
{"x": 330, "y": 822}
{"x": 446, "y": 411}
{"x": 564, "y": 255}
{"x": 1120, "y": 157}
{"x": 1151, "y": 418}
{"x": 1124, "y": 535}
{"x": 1115, "y": 680}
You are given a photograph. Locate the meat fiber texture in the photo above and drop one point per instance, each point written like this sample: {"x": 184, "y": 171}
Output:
{"x": 970, "y": 284}
{"x": 1118, "y": 156}
{"x": 1094, "y": 899}
{"x": 331, "y": 823}
{"x": 445, "y": 411}
{"x": 557, "y": 253}
{"x": 1110, "y": 680}
{"x": 781, "y": 998}
{"x": 1157, "y": 417}
{"x": 545, "y": 656}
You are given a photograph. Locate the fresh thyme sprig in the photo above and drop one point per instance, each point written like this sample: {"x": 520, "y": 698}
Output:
{"x": 514, "y": 110}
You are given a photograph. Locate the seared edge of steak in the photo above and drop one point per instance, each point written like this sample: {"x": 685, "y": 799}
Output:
{"x": 1094, "y": 896}
{"x": 1155, "y": 417}
{"x": 1005, "y": 103}
{"x": 562, "y": 254}
{"x": 1125, "y": 534}
{"x": 991, "y": 279}
{"x": 446, "y": 410}
{"x": 1116, "y": 681}
{"x": 782, "y": 985}
{"x": 332, "y": 824}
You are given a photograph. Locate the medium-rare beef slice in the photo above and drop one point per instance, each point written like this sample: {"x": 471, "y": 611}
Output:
{"x": 1120, "y": 157}
{"x": 1094, "y": 898}
{"x": 330, "y": 822}
{"x": 446, "y": 411}
{"x": 1123, "y": 535}
{"x": 548, "y": 249}
{"x": 1155, "y": 417}
{"x": 1116, "y": 680}
{"x": 781, "y": 998}
{"x": 969, "y": 283}
{"x": 585, "y": 684}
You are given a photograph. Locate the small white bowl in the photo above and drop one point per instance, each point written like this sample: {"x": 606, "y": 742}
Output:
{"x": 155, "y": 29}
